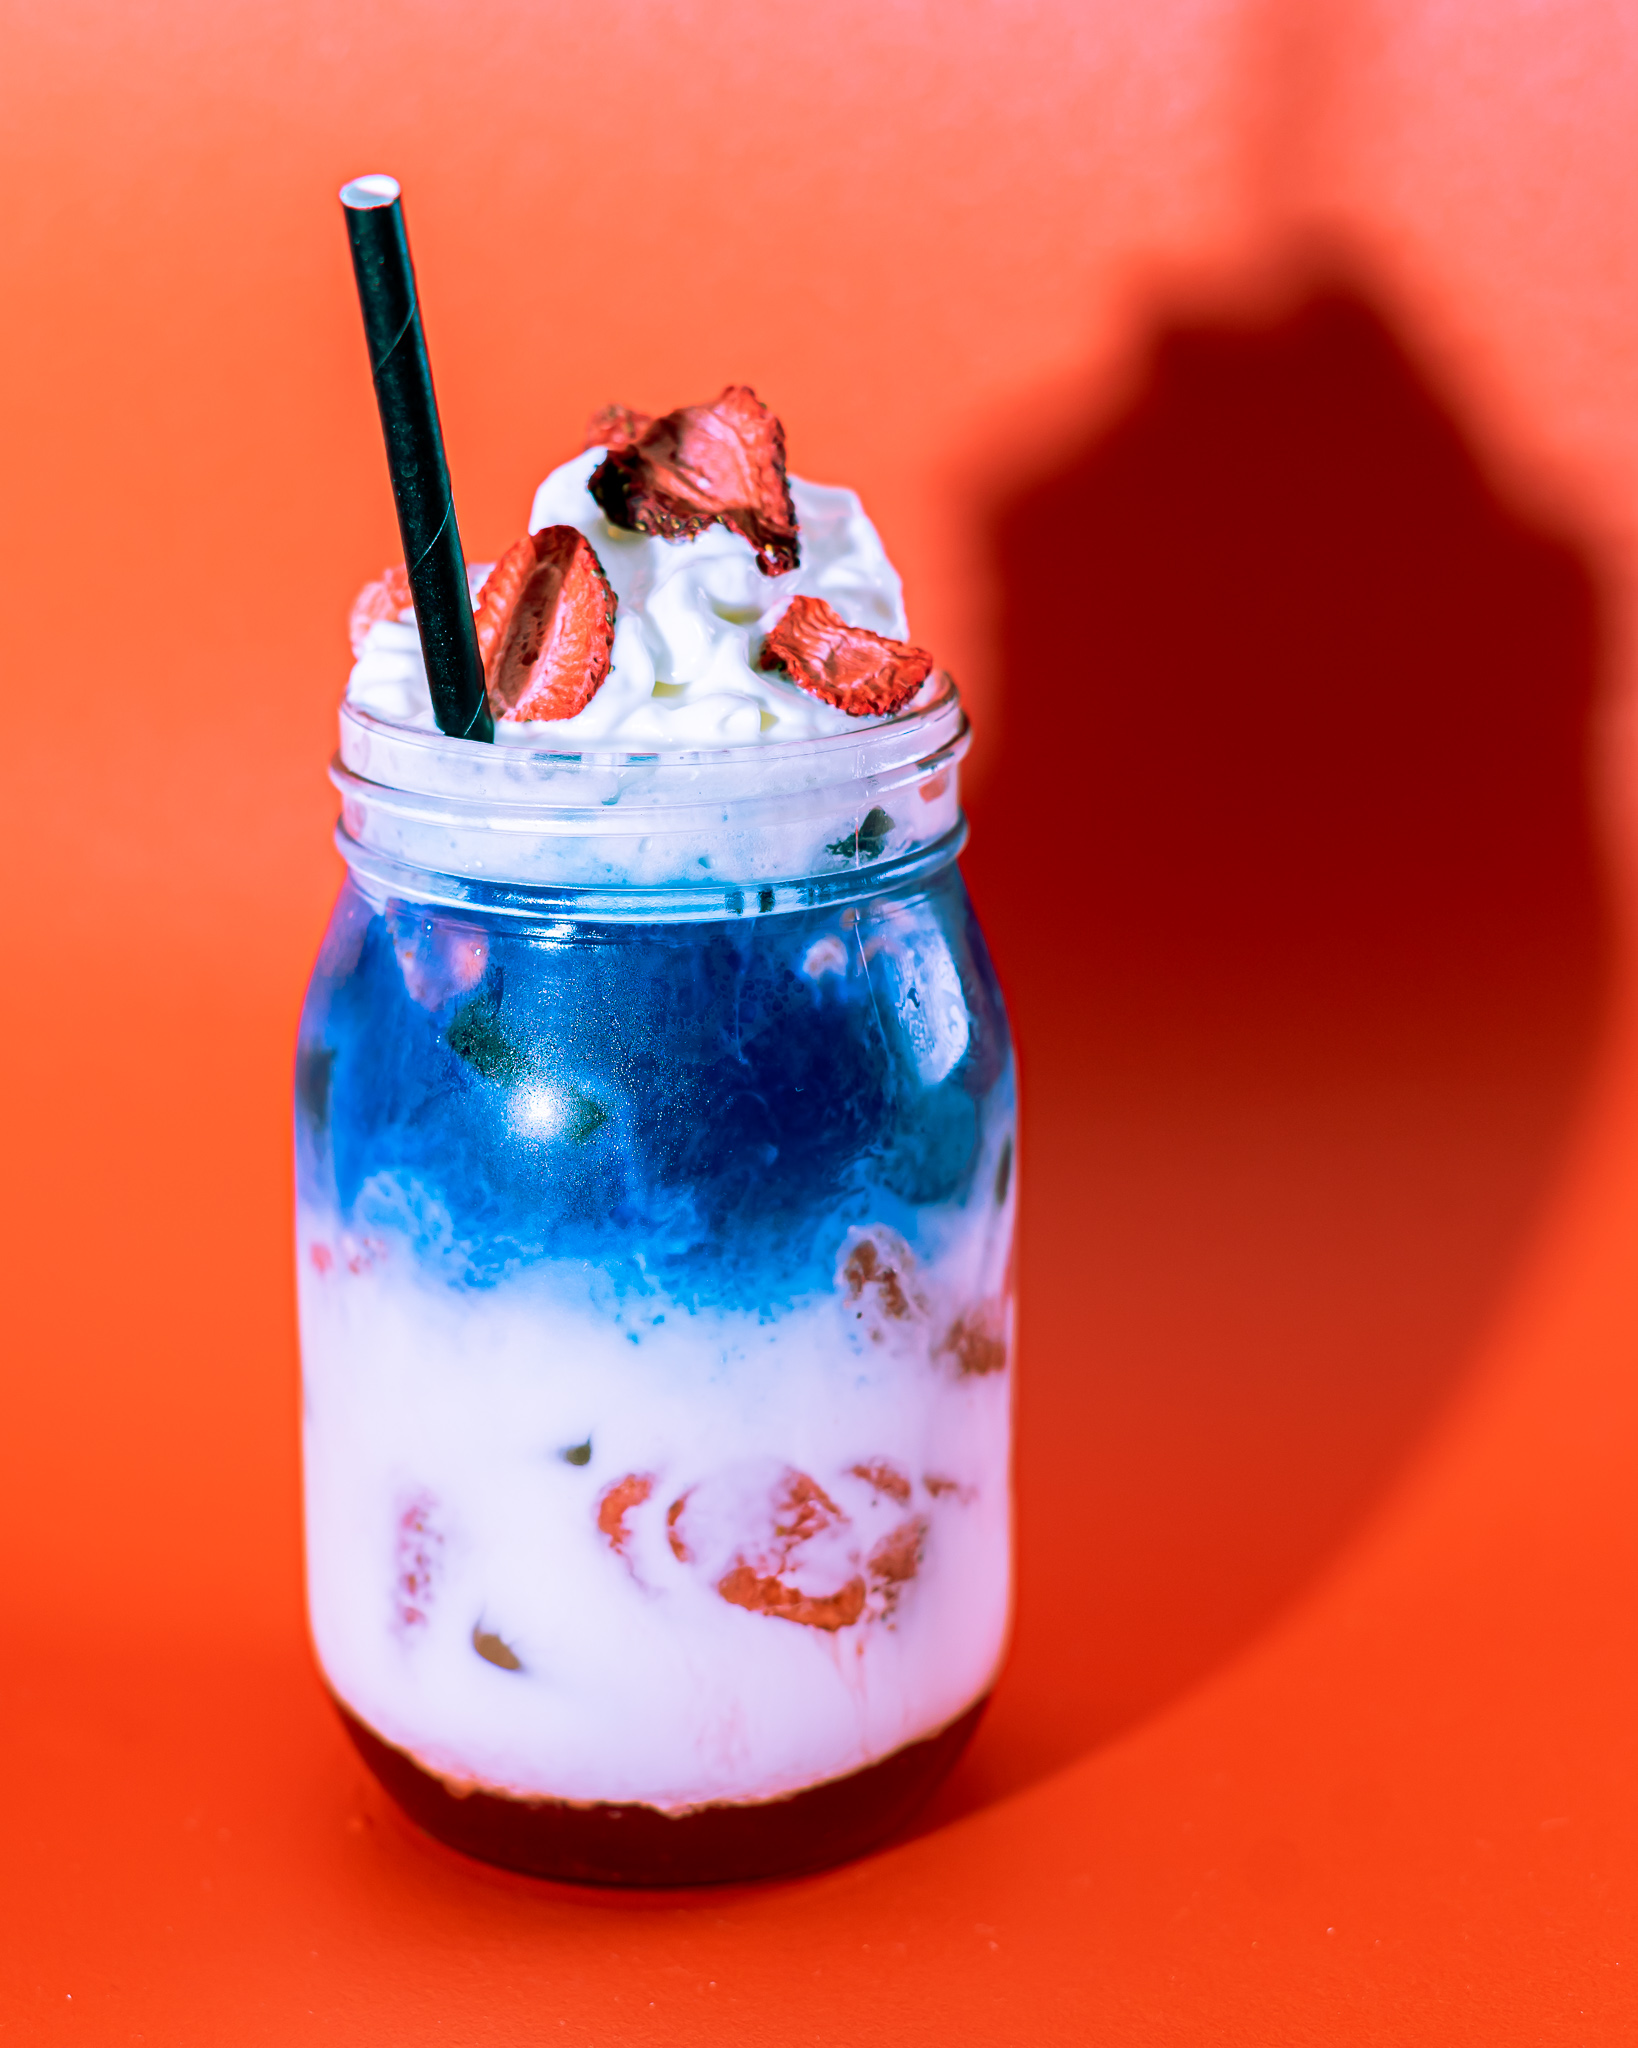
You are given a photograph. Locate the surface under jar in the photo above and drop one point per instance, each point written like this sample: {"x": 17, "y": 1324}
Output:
{"x": 654, "y": 1252}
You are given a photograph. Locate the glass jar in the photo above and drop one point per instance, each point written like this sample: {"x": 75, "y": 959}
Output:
{"x": 655, "y": 1141}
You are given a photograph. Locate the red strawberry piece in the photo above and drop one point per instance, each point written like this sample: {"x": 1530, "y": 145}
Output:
{"x": 742, "y": 1587}
{"x": 767, "y": 1581}
{"x": 418, "y": 1560}
{"x": 723, "y": 461}
{"x": 938, "y": 1486}
{"x": 895, "y": 1561}
{"x": 545, "y": 623}
{"x": 437, "y": 957}
{"x": 858, "y": 671}
{"x": 616, "y": 1502}
{"x": 878, "y": 1276}
{"x": 498, "y": 599}
{"x": 770, "y": 1539}
{"x": 803, "y": 1510}
{"x": 977, "y": 1341}
{"x": 883, "y": 1476}
{"x": 388, "y": 597}
{"x": 617, "y": 426}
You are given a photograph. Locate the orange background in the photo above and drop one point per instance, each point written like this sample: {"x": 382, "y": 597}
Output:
{"x": 1249, "y": 393}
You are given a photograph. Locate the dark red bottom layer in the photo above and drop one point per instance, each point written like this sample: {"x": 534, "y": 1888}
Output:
{"x": 640, "y": 1845}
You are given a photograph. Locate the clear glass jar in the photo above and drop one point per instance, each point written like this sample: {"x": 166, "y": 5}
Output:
{"x": 655, "y": 1142}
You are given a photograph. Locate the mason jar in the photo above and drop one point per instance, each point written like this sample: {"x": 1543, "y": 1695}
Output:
{"x": 655, "y": 1148}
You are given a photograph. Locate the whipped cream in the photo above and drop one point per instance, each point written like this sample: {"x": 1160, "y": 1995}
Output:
{"x": 692, "y": 618}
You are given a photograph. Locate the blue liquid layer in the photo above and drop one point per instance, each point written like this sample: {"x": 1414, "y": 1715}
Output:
{"x": 697, "y": 1111}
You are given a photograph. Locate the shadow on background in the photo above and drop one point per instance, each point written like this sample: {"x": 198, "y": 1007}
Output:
{"x": 1288, "y": 862}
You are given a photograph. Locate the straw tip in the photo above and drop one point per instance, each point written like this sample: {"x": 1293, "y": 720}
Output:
{"x": 375, "y": 189}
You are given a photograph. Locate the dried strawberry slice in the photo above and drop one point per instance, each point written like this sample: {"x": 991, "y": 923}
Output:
{"x": 896, "y": 1560}
{"x": 858, "y": 671}
{"x": 802, "y": 1511}
{"x": 616, "y": 1502}
{"x": 545, "y": 623}
{"x": 773, "y": 1542}
{"x": 883, "y": 1476}
{"x": 437, "y": 957}
{"x": 388, "y": 597}
{"x": 498, "y": 599}
{"x": 674, "y": 1535}
{"x": 878, "y": 1278}
{"x": 419, "y": 1560}
{"x": 977, "y": 1341}
{"x": 617, "y": 426}
{"x": 723, "y": 461}
{"x": 742, "y": 1587}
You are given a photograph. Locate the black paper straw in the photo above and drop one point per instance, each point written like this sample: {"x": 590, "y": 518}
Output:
{"x": 415, "y": 456}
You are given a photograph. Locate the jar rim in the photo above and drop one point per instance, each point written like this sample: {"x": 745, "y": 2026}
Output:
{"x": 727, "y": 817}
{"x": 410, "y": 758}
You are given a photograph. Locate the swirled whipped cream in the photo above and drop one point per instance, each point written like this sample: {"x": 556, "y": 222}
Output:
{"x": 693, "y": 615}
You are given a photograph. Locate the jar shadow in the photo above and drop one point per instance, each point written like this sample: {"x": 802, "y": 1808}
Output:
{"x": 1288, "y": 862}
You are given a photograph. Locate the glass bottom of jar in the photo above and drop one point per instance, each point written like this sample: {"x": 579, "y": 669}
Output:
{"x": 640, "y": 1845}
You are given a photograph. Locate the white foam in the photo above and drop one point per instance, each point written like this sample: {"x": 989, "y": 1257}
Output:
{"x": 692, "y": 615}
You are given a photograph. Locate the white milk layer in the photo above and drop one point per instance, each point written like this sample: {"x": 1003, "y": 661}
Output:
{"x": 691, "y": 619}
{"x": 780, "y": 1551}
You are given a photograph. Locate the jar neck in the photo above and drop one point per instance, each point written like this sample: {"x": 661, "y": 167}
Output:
{"x": 448, "y": 817}
{"x": 382, "y": 880}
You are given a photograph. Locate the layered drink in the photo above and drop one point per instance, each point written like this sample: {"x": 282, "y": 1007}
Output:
{"x": 656, "y": 1150}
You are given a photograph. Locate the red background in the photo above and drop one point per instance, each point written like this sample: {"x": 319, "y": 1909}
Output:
{"x": 1249, "y": 394}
